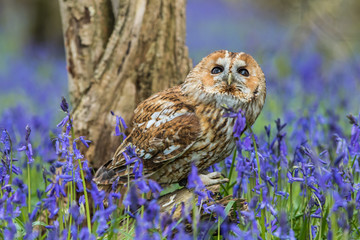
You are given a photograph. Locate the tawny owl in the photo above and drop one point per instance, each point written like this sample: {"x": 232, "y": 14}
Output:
{"x": 185, "y": 124}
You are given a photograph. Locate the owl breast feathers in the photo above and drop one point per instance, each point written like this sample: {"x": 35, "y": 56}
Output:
{"x": 185, "y": 124}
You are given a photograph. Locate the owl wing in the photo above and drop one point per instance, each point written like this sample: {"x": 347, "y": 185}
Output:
{"x": 165, "y": 127}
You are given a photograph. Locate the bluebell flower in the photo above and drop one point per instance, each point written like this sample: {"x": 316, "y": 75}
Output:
{"x": 194, "y": 179}
{"x": 64, "y": 105}
{"x": 167, "y": 224}
{"x": 34, "y": 212}
{"x": 218, "y": 210}
{"x": 27, "y": 134}
{"x": 114, "y": 185}
{"x": 284, "y": 231}
{"x": 132, "y": 199}
{"x": 112, "y": 197}
{"x": 77, "y": 152}
{"x": 75, "y": 213}
{"x": 10, "y": 230}
{"x": 152, "y": 212}
{"x": 101, "y": 217}
{"x": 240, "y": 121}
{"x": 19, "y": 197}
{"x": 27, "y": 147}
{"x": 294, "y": 179}
{"x": 84, "y": 141}
{"x": 30, "y": 234}
{"x": 63, "y": 122}
{"x": 138, "y": 169}
{"x": 317, "y": 213}
{"x": 85, "y": 235}
{"x": 339, "y": 202}
{"x": 97, "y": 196}
{"x": 120, "y": 125}
{"x": 74, "y": 231}
{"x": 51, "y": 205}
{"x": 142, "y": 185}
{"x": 5, "y": 139}
{"x": 330, "y": 235}
{"x": 82, "y": 199}
{"x": 195, "y": 182}
{"x": 181, "y": 233}
{"x": 54, "y": 231}
{"x": 56, "y": 188}
{"x": 155, "y": 188}
{"x": 314, "y": 231}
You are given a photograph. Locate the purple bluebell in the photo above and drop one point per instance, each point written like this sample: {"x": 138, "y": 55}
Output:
{"x": 77, "y": 152}
{"x": 97, "y": 196}
{"x": 33, "y": 214}
{"x": 218, "y": 210}
{"x": 284, "y": 231}
{"x": 54, "y": 230}
{"x": 75, "y": 213}
{"x": 294, "y": 179}
{"x": 195, "y": 182}
{"x": 30, "y": 234}
{"x": 64, "y": 121}
{"x": 10, "y": 230}
{"x": 142, "y": 185}
{"x": 51, "y": 205}
{"x": 194, "y": 179}
{"x": 120, "y": 125}
{"x": 58, "y": 186}
{"x": 155, "y": 188}
{"x": 85, "y": 234}
{"x": 64, "y": 105}
{"x": 5, "y": 139}
{"x": 84, "y": 141}
{"x": 240, "y": 121}
{"x": 133, "y": 200}
{"x": 181, "y": 233}
{"x": 317, "y": 213}
{"x": 27, "y": 147}
{"x": 102, "y": 216}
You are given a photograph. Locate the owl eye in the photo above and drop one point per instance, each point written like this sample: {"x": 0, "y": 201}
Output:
{"x": 243, "y": 72}
{"x": 217, "y": 70}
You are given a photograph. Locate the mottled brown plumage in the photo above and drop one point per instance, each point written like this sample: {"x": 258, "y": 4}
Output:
{"x": 185, "y": 124}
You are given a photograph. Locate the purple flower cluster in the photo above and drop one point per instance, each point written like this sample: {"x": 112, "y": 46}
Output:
{"x": 316, "y": 188}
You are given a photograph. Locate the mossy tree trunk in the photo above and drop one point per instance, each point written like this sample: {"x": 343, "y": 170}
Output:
{"x": 115, "y": 62}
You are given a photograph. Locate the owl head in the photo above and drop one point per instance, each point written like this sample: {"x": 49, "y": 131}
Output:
{"x": 228, "y": 78}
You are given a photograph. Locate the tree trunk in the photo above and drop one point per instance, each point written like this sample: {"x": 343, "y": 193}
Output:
{"x": 115, "y": 63}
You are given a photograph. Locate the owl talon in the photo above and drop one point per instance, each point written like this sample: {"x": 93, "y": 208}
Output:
{"x": 213, "y": 178}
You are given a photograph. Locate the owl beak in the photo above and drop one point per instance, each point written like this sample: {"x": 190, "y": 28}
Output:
{"x": 229, "y": 81}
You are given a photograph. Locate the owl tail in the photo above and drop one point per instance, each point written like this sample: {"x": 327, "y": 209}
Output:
{"x": 104, "y": 175}
{"x": 107, "y": 175}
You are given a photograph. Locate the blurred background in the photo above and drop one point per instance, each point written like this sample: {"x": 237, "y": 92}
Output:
{"x": 308, "y": 49}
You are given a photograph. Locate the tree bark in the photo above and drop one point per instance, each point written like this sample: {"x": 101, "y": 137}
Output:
{"x": 115, "y": 63}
